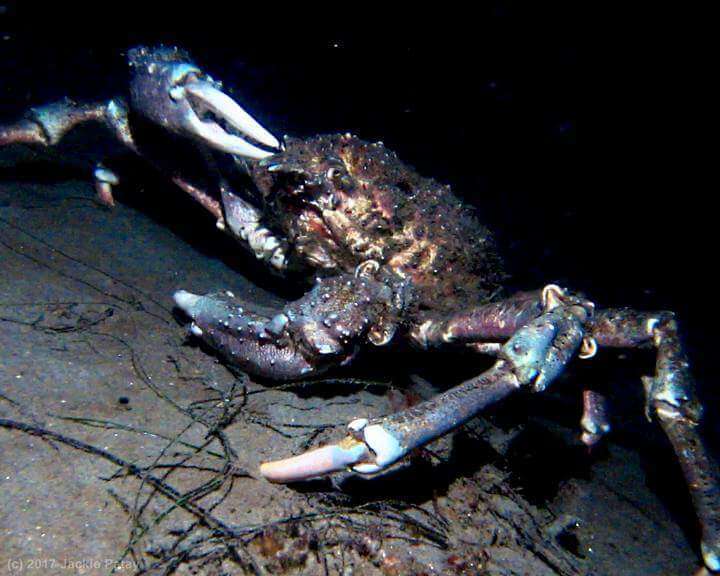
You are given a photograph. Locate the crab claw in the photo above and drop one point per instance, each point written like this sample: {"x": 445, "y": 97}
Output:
{"x": 240, "y": 336}
{"x": 369, "y": 448}
{"x": 318, "y": 462}
{"x": 205, "y": 95}
{"x": 168, "y": 89}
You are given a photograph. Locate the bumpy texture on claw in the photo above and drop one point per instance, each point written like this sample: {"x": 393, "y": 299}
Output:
{"x": 320, "y": 330}
{"x": 239, "y": 336}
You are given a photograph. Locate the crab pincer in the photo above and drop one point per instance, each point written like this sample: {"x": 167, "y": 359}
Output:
{"x": 170, "y": 90}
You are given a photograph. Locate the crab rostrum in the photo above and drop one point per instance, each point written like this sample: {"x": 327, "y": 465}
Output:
{"x": 393, "y": 256}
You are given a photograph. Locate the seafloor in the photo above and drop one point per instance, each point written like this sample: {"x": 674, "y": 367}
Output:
{"x": 124, "y": 445}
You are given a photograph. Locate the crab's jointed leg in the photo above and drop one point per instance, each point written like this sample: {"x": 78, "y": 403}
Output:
{"x": 670, "y": 396}
{"x": 544, "y": 329}
{"x": 174, "y": 93}
{"x": 168, "y": 89}
{"x": 485, "y": 327}
{"x": 489, "y": 323}
{"x": 594, "y": 421}
{"x": 47, "y": 125}
{"x": 533, "y": 357}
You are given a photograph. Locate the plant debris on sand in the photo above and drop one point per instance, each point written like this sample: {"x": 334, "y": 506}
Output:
{"x": 126, "y": 450}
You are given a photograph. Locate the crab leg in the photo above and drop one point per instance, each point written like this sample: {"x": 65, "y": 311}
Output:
{"x": 104, "y": 181}
{"x": 483, "y": 328}
{"x": 47, "y": 125}
{"x": 533, "y": 357}
{"x": 670, "y": 394}
{"x": 594, "y": 421}
{"x": 22, "y": 132}
{"x": 493, "y": 322}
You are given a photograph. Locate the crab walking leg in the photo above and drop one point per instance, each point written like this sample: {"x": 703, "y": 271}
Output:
{"x": 104, "y": 181}
{"x": 22, "y": 132}
{"x": 47, "y": 125}
{"x": 670, "y": 395}
{"x": 533, "y": 357}
{"x": 594, "y": 421}
{"x": 485, "y": 326}
{"x": 493, "y": 322}
{"x": 201, "y": 197}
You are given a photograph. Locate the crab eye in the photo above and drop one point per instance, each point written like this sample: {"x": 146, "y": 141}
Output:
{"x": 339, "y": 177}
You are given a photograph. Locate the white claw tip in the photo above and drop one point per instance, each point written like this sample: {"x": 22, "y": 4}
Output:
{"x": 324, "y": 460}
{"x": 651, "y": 324}
{"x": 185, "y": 300}
{"x": 195, "y": 330}
{"x": 177, "y": 93}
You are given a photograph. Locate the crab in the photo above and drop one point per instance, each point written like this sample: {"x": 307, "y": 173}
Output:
{"x": 392, "y": 256}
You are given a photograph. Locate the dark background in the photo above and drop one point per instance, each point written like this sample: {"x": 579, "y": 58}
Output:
{"x": 484, "y": 100}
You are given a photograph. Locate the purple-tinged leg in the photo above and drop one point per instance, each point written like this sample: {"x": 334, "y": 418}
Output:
{"x": 485, "y": 327}
{"x": 594, "y": 421}
{"x": 47, "y": 125}
{"x": 104, "y": 181}
{"x": 22, "y": 132}
{"x": 533, "y": 358}
{"x": 492, "y": 322}
{"x": 202, "y": 198}
{"x": 670, "y": 395}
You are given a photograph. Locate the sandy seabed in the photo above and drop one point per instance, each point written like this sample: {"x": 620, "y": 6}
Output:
{"x": 125, "y": 448}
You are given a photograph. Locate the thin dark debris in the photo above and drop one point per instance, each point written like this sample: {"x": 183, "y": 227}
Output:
{"x": 333, "y": 532}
